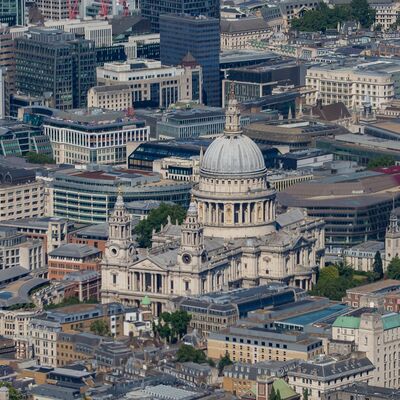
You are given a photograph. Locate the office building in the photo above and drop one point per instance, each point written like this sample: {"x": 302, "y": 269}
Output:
{"x": 54, "y": 9}
{"x": 7, "y": 68}
{"x": 153, "y": 9}
{"x": 352, "y": 85}
{"x": 17, "y": 250}
{"x": 362, "y": 391}
{"x": 199, "y": 36}
{"x": 325, "y": 374}
{"x": 97, "y": 31}
{"x": 151, "y": 83}
{"x": 355, "y": 207}
{"x": 18, "y": 139}
{"x": 377, "y": 335}
{"x": 112, "y": 97}
{"x": 256, "y": 344}
{"x": 12, "y": 12}
{"x": 21, "y": 195}
{"x": 178, "y": 169}
{"x": 92, "y": 136}
{"x": 72, "y": 257}
{"x": 89, "y": 196}
{"x": 362, "y": 256}
{"x": 143, "y": 46}
{"x": 254, "y": 82}
{"x": 54, "y": 64}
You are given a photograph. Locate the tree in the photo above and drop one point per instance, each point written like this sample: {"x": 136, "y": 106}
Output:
{"x": 383, "y": 161}
{"x": 155, "y": 219}
{"x": 305, "y": 394}
{"x": 224, "y": 362}
{"x": 189, "y": 353}
{"x": 362, "y": 12}
{"x": 36, "y": 158}
{"x": 100, "y": 327}
{"x": 14, "y": 394}
{"x": 393, "y": 270}
{"x": 173, "y": 326}
{"x": 378, "y": 266}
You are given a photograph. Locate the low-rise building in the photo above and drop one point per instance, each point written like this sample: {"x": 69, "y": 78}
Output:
{"x": 255, "y": 344}
{"x": 86, "y": 284}
{"x": 324, "y": 374}
{"x": 112, "y": 355}
{"x": 71, "y": 258}
{"x": 113, "y": 97}
{"x": 193, "y": 374}
{"x": 361, "y": 257}
{"x": 362, "y": 391}
{"x": 178, "y": 169}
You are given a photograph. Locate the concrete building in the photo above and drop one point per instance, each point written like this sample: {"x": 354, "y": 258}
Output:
{"x": 178, "y": 169}
{"x": 53, "y": 9}
{"x": 361, "y": 257}
{"x": 376, "y": 335}
{"x": 325, "y": 374}
{"x": 113, "y": 97}
{"x": 87, "y": 284}
{"x": 386, "y": 13}
{"x": 21, "y": 195}
{"x": 46, "y": 53}
{"x": 71, "y": 258}
{"x": 17, "y": 250}
{"x": 143, "y": 46}
{"x": 240, "y": 33}
{"x": 12, "y": 12}
{"x": 182, "y": 34}
{"x": 362, "y": 391}
{"x": 92, "y": 136}
{"x": 7, "y": 67}
{"x": 96, "y": 30}
{"x": 255, "y": 344}
{"x": 153, "y": 84}
{"x": 352, "y": 86}
{"x": 97, "y": 191}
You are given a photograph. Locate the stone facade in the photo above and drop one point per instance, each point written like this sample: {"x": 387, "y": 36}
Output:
{"x": 230, "y": 237}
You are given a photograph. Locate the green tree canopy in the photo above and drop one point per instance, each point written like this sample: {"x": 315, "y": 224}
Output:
{"x": 189, "y": 353}
{"x": 224, "y": 362}
{"x": 173, "y": 326}
{"x": 36, "y": 158}
{"x": 393, "y": 270}
{"x": 155, "y": 219}
{"x": 384, "y": 161}
{"x": 378, "y": 266}
{"x": 100, "y": 327}
{"x": 305, "y": 394}
{"x": 362, "y": 12}
{"x": 14, "y": 393}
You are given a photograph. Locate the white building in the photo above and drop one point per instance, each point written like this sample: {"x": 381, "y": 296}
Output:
{"x": 154, "y": 84}
{"x": 352, "y": 86}
{"x": 54, "y": 9}
{"x": 94, "y": 136}
{"x": 386, "y": 13}
{"x": 99, "y": 31}
{"x": 178, "y": 169}
{"x": 137, "y": 42}
{"x": 379, "y": 337}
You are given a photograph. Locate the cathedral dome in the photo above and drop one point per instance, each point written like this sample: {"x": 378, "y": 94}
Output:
{"x": 233, "y": 155}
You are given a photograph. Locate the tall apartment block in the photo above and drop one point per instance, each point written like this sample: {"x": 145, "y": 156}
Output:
{"x": 153, "y": 9}
{"x": 12, "y": 12}
{"x": 56, "y": 65}
{"x": 182, "y": 34}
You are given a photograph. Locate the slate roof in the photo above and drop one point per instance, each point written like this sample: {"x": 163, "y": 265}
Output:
{"x": 72, "y": 250}
{"x": 331, "y": 112}
{"x": 56, "y": 392}
{"x": 243, "y": 25}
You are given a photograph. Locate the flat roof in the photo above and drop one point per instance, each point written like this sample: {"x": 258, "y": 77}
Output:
{"x": 383, "y": 285}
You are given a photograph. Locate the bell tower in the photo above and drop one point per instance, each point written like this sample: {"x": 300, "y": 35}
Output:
{"x": 192, "y": 251}
{"x": 119, "y": 247}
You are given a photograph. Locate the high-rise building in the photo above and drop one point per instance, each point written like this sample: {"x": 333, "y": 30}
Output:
{"x": 53, "y": 9}
{"x": 12, "y": 12}
{"x": 199, "y": 36}
{"x": 153, "y": 9}
{"x": 7, "y": 65}
{"x": 55, "y": 64}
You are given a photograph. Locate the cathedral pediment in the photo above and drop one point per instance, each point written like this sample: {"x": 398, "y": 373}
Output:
{"x": 300, "y": 242}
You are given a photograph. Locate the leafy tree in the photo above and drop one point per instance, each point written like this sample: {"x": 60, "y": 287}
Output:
{"x": 155, "y": 219}
{"x": 393, "y": 270}
{"x": 14, "y": 394}
{"x": 173, "y": 326}
{"x": 362, "y": 12}
{"x": 36, "y": 158}
{"x": 100, "y": 327}
{"x": 383, "y": 161}
{"x": 189, "y": 353}
{"x": 378, "y": 266}
{"x": 224, "y": 362}
{"x": 305, "y": 394}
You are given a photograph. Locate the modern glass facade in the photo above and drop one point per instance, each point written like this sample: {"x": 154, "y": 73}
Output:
{"x": 183, "y": 34}
{"x": 12, "y": 12}
{"x": 152, "y": 9}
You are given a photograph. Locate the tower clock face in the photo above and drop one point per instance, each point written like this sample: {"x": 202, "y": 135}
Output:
{"x": 114, "y": 251}
{"x": 186, "y": 258}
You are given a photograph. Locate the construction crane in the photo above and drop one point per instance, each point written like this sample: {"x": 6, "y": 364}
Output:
{"x": 72, "y": 8}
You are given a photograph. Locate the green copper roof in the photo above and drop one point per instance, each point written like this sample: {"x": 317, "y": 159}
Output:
{"x": 285, "y": 390}
{"x": 347, "y": 322}
{"x": 391, "y": 321}
{"x": 146, "y": 301}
